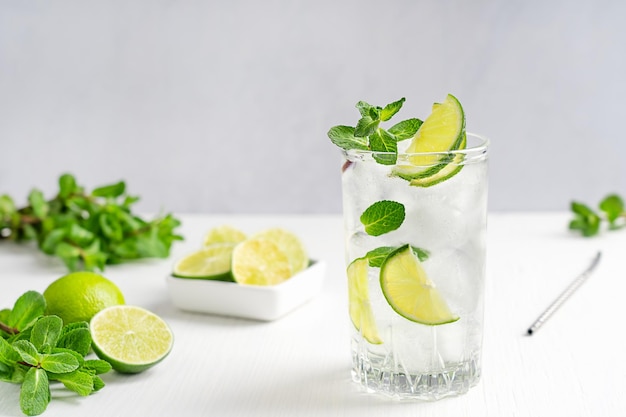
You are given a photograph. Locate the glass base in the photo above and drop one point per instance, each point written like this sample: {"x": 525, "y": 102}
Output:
{"x": 374, "y": 376}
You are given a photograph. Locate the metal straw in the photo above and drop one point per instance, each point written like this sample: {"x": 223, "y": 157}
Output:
{"x": 571, "y": 288}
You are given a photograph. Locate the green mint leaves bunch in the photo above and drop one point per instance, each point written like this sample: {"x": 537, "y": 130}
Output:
{"x": 87, "y": 230}
{"x": 588, "y": 221}
{"x": 36, "y": 350}
{"x": 368, "y": 135}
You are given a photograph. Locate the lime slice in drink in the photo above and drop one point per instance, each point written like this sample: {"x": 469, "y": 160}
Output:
{"x": 289, "y": 244}
{"x": 410, "y": 292}
{"x": 358, "y": 296}
{"x": 130, "y": 338}
{"x": 259, "y": 261}
{"x": 224, "y": 234}
{"x": 442, "y": 131}
{"x": 211, "y": 262}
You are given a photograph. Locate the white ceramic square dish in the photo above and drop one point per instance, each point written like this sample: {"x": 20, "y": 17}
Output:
{"x": 247, "y": 301}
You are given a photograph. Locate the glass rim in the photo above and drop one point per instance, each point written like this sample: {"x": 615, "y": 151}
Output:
{"x": 476, "y": 150}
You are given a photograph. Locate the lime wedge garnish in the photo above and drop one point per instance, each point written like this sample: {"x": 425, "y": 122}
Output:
{"x": 210, "y": 262}
{"x": 410, "y": 292}
{"x": 259, "y": 261}
{"x": 224, "y": 234}
{"x": 448, "y": 170}
{"x": 289, "y": 244}
{"x": 358, "y": 296}
{"x": 442, "y": 131}
{"x": 130, "y": 338}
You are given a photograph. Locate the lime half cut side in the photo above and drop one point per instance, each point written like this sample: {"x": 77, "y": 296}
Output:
{"x": 359, "y": 302}
{"x": 442, "y": 131}
{"x": 410, "y": 292}
{"x": 130, "y": 338}
{"x": 211, "y": 262}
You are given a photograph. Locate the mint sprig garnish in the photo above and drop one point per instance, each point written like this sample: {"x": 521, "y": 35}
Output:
{"x": 36, "y": 349}
{"x": 383, "y": 217}
{"x": 87, "y": 230}
{"x": 589, "y": 221}
{"x": 369, "y": 135}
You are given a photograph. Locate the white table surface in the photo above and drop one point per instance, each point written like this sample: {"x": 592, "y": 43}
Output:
{"x": 300, "y": 364}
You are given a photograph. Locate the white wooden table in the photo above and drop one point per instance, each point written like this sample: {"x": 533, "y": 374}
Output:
{"x": 300, "y": 364}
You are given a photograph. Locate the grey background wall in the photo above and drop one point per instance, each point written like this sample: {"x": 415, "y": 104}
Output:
{"x": 223, "y": 106}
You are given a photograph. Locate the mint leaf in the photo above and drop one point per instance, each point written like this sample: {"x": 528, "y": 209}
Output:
{"x": 366, "y": 126}
{"x": 52, "y": 240}
{"x": 67, "y": 185}
{"x": 97, "y": 365}
{"x": 613, "y": 207}
{"x": 113, "y": 190}
{"x": 78, "y": 381}
{"x": 70, "y": 255}
{"x": 98, "y": 383}
{"x": 377, "y": 256}
{"x": 343, "y": 136}
{"x": 384, "y": 142}
{"x": 364, "y": 108}
{"x": 28, "y": 308}
{"x": 405, "y": 129}
{"x": 390, "y": 109}
{"x": 8, "y": 355}
{"x": 59, "y": 363}
{"x": 35, "y": 392}
{"x": 382, "y": 217}
{"x": 7, "y": 207}
{"x": 77, "y": 339}
{"x": 14, "y": 374}
{"x": 585, "y": 220}
{"x": 79, "y": 235}
{"x": 38, "y": 204}
{"x": 27, "y": 351}
{"x": 46, "y": 331}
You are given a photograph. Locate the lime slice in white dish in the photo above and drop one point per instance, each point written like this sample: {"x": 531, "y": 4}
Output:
{"x": 224, "y": 234}
{"x": 259, "y": 261}
{"x": 210, "y": 262}
{"x": 289, "y": 244}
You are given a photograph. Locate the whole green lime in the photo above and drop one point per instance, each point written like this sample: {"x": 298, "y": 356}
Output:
{"x": 78, "y": 296}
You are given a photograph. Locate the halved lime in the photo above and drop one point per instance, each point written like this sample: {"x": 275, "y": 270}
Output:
{"x": 259, "y": 261}
{"x": 224, "y": 234}
{"x": 211, "y": 262}
{"x": 359, "y": 302}
{"x": 410, "y": 292}
{"x": 442, "y": 131}
{"x": 289, "y": 244}
{"x": 130, "y": 338}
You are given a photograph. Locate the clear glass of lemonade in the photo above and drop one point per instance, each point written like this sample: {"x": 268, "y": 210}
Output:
{"x": 415, "y": 234}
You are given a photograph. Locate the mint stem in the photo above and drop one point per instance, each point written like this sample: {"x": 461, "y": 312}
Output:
{"x": 8, "y": 329}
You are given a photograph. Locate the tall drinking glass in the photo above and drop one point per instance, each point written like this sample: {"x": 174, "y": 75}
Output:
{"x": 415, "y": 250}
